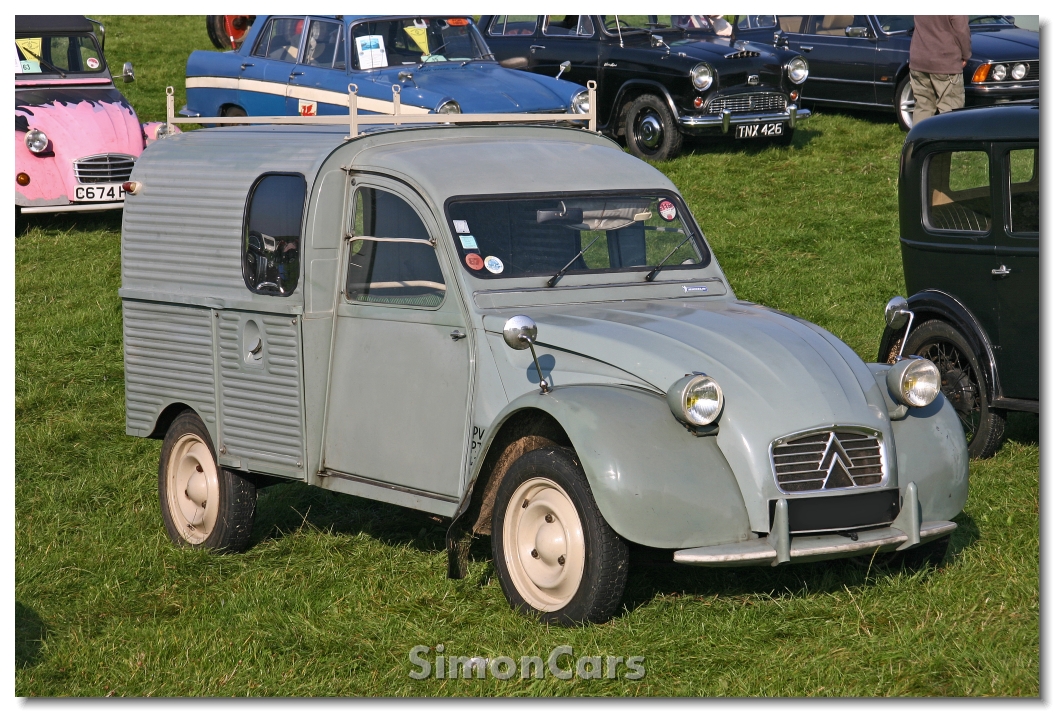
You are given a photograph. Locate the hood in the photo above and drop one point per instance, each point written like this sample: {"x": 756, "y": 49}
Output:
{"x": 1004, "y": 44}
{"x": 480, "y": 87}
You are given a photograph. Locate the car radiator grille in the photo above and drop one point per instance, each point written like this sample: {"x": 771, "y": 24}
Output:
{"x": 107, "y": 168}
{"x": 744, "y": 103}
{"x": 831, "y": 459}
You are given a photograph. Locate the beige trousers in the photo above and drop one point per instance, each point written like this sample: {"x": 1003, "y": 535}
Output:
{"x": 936, "y": 94}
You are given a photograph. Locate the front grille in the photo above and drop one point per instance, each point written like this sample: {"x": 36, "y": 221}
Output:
{"x": 107, "y": 168}
{"x": 742, "y": 54}
{"x": 831, "y": 459}
{"x": 745, "y": 103}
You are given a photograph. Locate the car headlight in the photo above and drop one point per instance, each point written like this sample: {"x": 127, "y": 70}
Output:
{"x": 914, "y": 381}
{"x": 999, "y": 72}
{"x": 1019, "y": 71}
{"x": 36, "y": 140}
{"x": 696, "y": 399}
{"x": 449, "y": 107}
{"x": 702, "y": 76}
{"x": 798, "y": 70}
{"x": 580, "y": 102}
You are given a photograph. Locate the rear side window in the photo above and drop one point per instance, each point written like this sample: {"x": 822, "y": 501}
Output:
{"x": 271, "y": 239}
{"x": 513, "y": 25}
{"x": 572, "y": 25}
{"x": 958, "y": 194}
{"x": 325, "y": 45}
{"x": 1024, "y": 191}
{"x": 280, "y": 39}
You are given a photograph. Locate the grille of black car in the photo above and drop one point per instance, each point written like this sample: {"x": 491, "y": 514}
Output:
{"x": 744, "y": 103}
{"x": 742, "y": 54}
{"x": 827, "y": 460}
{"x": 106, "y": 168}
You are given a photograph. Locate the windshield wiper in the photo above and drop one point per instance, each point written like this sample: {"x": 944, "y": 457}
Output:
{"x": 45, "y": 62}
{"x": 655, "y": 270}
{"x": 558, "y": 275}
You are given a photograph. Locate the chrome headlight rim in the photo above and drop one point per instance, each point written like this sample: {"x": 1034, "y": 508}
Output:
{"x": 579, "y": 102}
{"x": 702, "y": 76}
{"x": 999, "y": 72}
{"x": 680, "y": 400}
{"x": 1020, "y": 71}
{"x": 449, "y": 107}
{"x": 36, "y": 141}
{"x": 914, "y": 381}
{"x": 798, "y": 67}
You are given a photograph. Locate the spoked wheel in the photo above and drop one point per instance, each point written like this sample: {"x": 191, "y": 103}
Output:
{"x": 203, "y": 505}
{"x": 555, "y": 554}
{"x": 963, "y": 384}
{"x": 904, "y": 103}
{"x": 651, "y": 131}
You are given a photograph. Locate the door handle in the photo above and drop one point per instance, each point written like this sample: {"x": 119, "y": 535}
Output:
{"x": 806, "y": 48}
{"x": 1002, "y": 271}
{"x": 295, "y": 74}
{"x": 534, "y": 47}
{"x": 247, "y": 64}
{"x": 457, "y": 334}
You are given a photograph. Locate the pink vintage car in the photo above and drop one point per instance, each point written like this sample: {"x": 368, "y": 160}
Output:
{"x": 76, "y": 136}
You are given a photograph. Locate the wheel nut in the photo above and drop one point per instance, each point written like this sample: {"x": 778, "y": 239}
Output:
{"x": 198, "y": 468}
{"x": 525, "y": 503}
{"x": 549, "y": 518}
{"x": 561, "y": 560}
{"x": 534, "y": 553}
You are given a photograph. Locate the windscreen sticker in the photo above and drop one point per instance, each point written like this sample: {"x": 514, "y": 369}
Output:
{"x": 468, "y": 242}
{"x": 494, "y": 265}
{"x": 668, "y": 211}
{"x": 420, "y": 37}
{"x": 92, "y": 63}
{"x": 371, "y": 51}
{"x": 474, "y": 261}
{"x": 461, "y": 226}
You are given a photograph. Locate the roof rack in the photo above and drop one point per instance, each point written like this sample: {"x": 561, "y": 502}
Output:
{"x": 354, "y": 119}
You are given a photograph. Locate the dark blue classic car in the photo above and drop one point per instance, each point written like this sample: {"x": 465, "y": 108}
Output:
{"x": 861, "y": 61}
{"x": 303, "y": 64}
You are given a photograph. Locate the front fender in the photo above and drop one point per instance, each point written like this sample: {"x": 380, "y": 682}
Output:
{"x": 655, "y": 483}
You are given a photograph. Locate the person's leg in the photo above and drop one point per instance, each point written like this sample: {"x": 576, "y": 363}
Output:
{"x": 925, "y": 96}
{"x": 950, "y": 92}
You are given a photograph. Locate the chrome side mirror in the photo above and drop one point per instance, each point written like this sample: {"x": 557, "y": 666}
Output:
{"x": 858, "y": 32}
{"x": 897, "y": 315}
{"x": 656, "y": 41}
{"x": 565, "y": 66}
{"x": 128, "y": 72}
{"x": 520, "y": 333}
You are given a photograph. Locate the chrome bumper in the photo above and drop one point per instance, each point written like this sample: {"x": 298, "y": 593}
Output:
{"x": 779, "y": 547}
{"x": 726, "y": 119}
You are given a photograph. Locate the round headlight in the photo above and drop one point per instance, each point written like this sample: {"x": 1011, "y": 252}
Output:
{"x": 702, "y": 76}
{"x": 696, "y": 399}
{"x": 798, "y": 70}
{"x": 580, "y": 102}
{"x": 1019, "y": 71}
{"x": 449, "y": 107}
{"x": 36, "y": 140}
{"x": 915, "y": 381}
{"x": 999, "y": 72}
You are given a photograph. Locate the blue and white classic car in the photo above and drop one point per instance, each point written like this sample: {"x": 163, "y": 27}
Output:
{"x": 303, "y": 64}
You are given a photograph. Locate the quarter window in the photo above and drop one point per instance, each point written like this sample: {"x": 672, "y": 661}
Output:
{"x": 958, "y": 193}
{"x": 506, "y": 25}
{"x": 1024, "y": 191}
{"x": 325, "y": 45}
{"x": 271, "y": 241}
{"x": 280, "y": 39}
{"x": 568, "y": 25}
{"x": 392, "y": 260}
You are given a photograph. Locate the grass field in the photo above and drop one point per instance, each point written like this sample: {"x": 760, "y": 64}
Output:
{"x": 337, "y": 590}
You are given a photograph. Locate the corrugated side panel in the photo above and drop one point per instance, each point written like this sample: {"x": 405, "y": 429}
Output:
{"x": 167, "y": 358}
{"x": 261, "y": 418}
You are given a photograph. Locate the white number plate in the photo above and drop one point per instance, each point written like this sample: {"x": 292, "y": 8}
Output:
{"x": 102, "y": 193}
{"x": 759, "y": 130}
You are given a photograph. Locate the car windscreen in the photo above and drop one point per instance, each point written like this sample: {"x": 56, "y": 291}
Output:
{"x": 498, "y": 237}
{"x": 58, "y": 53}
{"x": 412, "y": 40}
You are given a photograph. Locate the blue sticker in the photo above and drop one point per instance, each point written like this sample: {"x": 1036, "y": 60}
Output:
{"x": 468, "y": 242}
{"x": 493, "y": 265}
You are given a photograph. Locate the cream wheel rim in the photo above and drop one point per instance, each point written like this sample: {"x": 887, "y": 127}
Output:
{"x": 545, "y": 548}
{"x": 193, "y": 488}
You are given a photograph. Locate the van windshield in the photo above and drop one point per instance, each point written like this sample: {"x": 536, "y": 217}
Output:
{"x": 542, "y": 235}
{"x": 59, "y": 53}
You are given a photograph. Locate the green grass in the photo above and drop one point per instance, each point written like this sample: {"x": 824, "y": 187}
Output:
{"x": 336, "y": 590}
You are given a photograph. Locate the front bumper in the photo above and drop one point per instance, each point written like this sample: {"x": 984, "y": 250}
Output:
{"x": 988, "y": 94}
{"x": 694, "y": 125}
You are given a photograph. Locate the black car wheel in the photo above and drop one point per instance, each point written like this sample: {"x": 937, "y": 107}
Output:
{"x": 904, "y": 103}
{"x": 962, "y": 382}
{"x": 556, "y": 556}
{"x": 651, "y": 130}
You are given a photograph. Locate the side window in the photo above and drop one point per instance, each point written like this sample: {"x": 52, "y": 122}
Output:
{"x": 271, "y": 236}
{"x": 757, "y": 22}
{"x": 792, "y": 23}
{"x": 325, "y": 46}
{"x": 392, "y": 260}
{"x": 280, "y": 39}
{"x": 567, "y": 25}
{"x": 1024, "y": 190}
{"x": 835, "y": 24}
{"x": 958, "y": 195}
{"x": 504, "y": 25}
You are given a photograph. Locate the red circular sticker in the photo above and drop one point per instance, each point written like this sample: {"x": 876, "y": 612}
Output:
{"x": 474, "y": 261}
{"x": 667, "y": 210}
{"x": 93, "y": 63}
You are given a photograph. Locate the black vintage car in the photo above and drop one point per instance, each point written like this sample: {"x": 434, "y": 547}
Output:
{"x": 660, "y": 77}
{"x": 969, "y": 236}
{"x": 861, "y": 61}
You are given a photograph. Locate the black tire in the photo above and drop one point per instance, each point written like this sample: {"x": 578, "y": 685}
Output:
{"x": 962, "y": 382}
{"x": 203, "y": 505}
{"x": 651, "y": 129}
{"x": 594, "y": 548}
{"x": 904, "y": 103}
{"x": 217, "y": 31}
